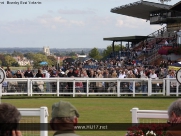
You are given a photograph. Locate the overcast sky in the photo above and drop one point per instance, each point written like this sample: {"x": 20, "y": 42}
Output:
{"x": 68, "y": 23}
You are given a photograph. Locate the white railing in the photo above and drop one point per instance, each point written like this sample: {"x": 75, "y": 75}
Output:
{"x": 147, "y": 114}
{"x": 41, "y": 112}
{"x": 167, "y": 86}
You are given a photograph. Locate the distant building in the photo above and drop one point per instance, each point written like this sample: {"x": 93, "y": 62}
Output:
{"x": 81, "y": 56}
{"x": 22, "y": 61}
{"x": 46, "y": 50}
{"x": 60, "y": 59}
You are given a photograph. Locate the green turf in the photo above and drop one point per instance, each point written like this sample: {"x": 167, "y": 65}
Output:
{"x": 99, "y": 110}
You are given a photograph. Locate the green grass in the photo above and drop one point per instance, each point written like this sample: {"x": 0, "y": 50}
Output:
{"x": 98, "y": 110}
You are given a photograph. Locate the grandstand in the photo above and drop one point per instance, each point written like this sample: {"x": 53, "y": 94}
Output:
{"x": 151, "y": 45}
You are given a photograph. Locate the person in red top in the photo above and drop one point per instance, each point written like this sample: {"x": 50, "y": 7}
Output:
{"x": 79, "y": 87}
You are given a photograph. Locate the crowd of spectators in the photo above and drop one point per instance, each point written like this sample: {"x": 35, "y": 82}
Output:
{"x": 110, "y": 68}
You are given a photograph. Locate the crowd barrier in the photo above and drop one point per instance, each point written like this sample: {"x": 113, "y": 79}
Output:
{"x": 91, "y": 86}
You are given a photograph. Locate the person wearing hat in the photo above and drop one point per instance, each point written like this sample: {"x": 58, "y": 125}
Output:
{"x": 64, "y": 118}
{"x": 174, "y": 119}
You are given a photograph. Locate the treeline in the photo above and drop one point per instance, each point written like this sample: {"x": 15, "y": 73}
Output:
{"x": 96, "y": 54}
{"x": 36, "y": 58}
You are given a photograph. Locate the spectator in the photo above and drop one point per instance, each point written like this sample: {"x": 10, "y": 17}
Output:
{"x": 28, "y": 73}
{"x": 79, "y": 87}
{"x": 64, "y": 119}
{"x": 122, "y": 74}
{"x": 173, "y": 84}
{"x": 70, "y": 73}
{"x": 131, "y": 75}
{"x": 9, "y": 118}
{"x": 92, "y": 84}
{"x": 9, "y": 74}
{"x": 154, "y": 76}
{"x": 48, "y": 86}
{"x": 99, "y": 85}
{"x": 18, "y": 74}
{"x": 112, "y": 85}
{"x": 166, "y": 43}
{"x": 62, "y": 85}
{"x": 144, "y": 84}
{"x": 39, "y": 74}
{"x": 174, "y": 117}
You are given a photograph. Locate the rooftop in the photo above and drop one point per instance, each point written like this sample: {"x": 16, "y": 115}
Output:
{"x": 140, "y": 9}
{"x": 126, "y": 39}
{"x": 176, "y": 7}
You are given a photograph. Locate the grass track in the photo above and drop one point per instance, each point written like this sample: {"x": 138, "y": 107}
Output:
{"x": 98, "y": 110}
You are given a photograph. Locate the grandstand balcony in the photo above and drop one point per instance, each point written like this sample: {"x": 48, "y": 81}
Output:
{"x": 151, "y": 46}
{"x": 164, "y": 17}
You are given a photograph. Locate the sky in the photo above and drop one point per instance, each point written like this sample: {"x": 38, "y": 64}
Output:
{"x": 67, "y": 23}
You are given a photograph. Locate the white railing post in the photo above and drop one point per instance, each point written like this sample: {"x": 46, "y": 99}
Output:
{"x": 133, "y": 88}
{"x": 164, "y": 87}
{"x": 177, "y": 88}
{"x": 1, "y": 88}
{"x": 29, "y": 87}
{"x": 74, "y": 88}
{"x": 30, "y": 90}
{"x": 87, "y": 90}
{"x": 118, "y": 88}
{"x": 0, "y": 92}
{"x": 44, "y": 121}
{"x": 149, "y": 86}
{"x": 167, "y": 87}
{"x": 134, "y": 115}
{"x": 58, "y": 87}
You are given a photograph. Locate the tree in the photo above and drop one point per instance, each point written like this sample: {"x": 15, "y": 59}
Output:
{"x": 51, "y": 60}
{"x": 15, "y": 54}
{"x": 109, "y": 50}
{"x": 15, "y": 64}
{"x": 37, "y": 58}
{"x": 71, "y": 54}
{"x": 2, "y": 59}
{"x": 0, "y": 63}
{"x": 9, "y": 60}
{"x": 94, "y": 53}
{"x": 29, "y": 56}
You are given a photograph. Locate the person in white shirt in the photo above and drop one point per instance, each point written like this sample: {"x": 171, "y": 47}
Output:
{"x": 166, "y": 43}
{"x": 48, "y": 86}
{"x": 122, "y": 74}
{"x": 123, "y": 85}
{"x": 154, "y": 76}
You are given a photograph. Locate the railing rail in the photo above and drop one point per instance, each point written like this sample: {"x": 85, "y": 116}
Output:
{"x": 166, "y": 86}
{"x": 147, "y": 114}
{"x": 41, "y": 112}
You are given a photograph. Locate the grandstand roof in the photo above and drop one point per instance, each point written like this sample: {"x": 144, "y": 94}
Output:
{"x": 140, "y": 9}
{"x": 126, "y": 39}
{"x": 176, "y": 6}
